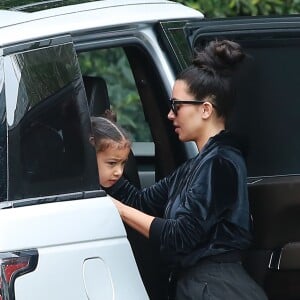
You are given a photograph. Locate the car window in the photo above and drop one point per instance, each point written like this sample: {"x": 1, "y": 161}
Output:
{"x": 263, "y": 123}
{"x": 268, "y": 94}
{"x": 47, "y": 127}
{"x": 112, "y": 65}
{"x": 175, "y": 42}
{"x": 267, "y": 114}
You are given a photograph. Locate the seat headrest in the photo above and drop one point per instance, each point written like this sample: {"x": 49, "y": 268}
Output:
{"x": 97, "y": 94}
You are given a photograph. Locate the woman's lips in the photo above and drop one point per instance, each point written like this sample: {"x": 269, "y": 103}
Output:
{"x": 177, "y": 128}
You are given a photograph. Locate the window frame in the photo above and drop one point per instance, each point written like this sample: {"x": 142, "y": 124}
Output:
{"x": 4, "y": 168}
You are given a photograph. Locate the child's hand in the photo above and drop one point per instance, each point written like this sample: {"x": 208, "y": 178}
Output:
{"x": 119, "y": 205}
{"x": 134, "y": 218}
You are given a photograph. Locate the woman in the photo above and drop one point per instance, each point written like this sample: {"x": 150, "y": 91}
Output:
{"x": 199, "y": 215}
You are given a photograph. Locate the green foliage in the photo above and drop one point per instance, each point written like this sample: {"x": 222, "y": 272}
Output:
{"x": 211, "y": 8}
{"x": 221, "y": 8}
{"x": 112, "y": 65}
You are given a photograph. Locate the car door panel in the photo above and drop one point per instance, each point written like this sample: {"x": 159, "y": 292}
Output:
{"x": 56, "y": 207}
{"x": 66, "y": 235}
{"x": 274, "y": 260}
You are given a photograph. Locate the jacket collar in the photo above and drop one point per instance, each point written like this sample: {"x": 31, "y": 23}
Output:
{"x": 225, "y": 138}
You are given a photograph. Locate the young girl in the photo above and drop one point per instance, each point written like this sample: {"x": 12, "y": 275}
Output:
{"x": 112, "y": 146}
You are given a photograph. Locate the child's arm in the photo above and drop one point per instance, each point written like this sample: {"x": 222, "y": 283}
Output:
{"x": 134, "y": 218}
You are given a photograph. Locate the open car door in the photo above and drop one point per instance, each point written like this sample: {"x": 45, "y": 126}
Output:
{"x": 267, "y": 117}
{"x": 62, "y": 237}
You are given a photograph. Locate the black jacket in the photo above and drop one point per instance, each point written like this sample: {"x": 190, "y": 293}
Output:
{"x": 201, "y": 209}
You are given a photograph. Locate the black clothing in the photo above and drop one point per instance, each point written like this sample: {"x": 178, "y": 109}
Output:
{"x": 209, "y": 280}
{"x": 202, "y": 222}
{"x": 201, "y": 209}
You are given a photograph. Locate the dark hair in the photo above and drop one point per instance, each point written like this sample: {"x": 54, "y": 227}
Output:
{"x": 106, "y": 132}
{"x": 211, "y": 74}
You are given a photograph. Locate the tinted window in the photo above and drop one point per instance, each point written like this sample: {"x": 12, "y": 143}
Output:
{"x": 173, "y": 37}
{"x": 267, "y": 115}
{"x": 48, "y": 123}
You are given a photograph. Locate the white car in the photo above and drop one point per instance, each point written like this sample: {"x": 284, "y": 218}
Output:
{"x": 65, "y": 239}
{"x": 61, "y": 236}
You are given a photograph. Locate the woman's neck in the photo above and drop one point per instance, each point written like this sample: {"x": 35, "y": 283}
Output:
{"x": 208, "y": 134}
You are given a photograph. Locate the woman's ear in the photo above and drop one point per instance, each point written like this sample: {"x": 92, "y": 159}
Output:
{"x": 207, "y": 110}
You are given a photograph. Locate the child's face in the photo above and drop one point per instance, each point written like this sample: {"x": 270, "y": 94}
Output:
{"x": 111, "y": 162}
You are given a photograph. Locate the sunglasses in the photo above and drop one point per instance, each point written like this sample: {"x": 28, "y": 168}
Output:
{"x": 174, "y": 103}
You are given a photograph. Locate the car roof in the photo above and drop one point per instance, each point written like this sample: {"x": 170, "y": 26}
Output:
{"x": 16, "y": 26}
{"x": 10, "y": 17}
{"x": 36, "y": 5}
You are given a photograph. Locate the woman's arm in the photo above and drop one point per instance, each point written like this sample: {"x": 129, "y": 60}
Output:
{"x": 134, "y": 218}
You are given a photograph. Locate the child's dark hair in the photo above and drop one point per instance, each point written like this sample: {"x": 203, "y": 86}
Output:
{"x": 106, "y": 132}
{"x": 211, "y": 74}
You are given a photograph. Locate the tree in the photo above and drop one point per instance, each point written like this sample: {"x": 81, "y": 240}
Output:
{"x": 221, "y": 8}
{"x": 211, "y": 8}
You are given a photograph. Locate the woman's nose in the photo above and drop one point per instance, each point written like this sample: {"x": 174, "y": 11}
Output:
{"x": 171, "y": 115}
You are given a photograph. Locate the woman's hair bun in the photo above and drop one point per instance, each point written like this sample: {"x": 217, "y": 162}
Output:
{"x": 219, "y": 56}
